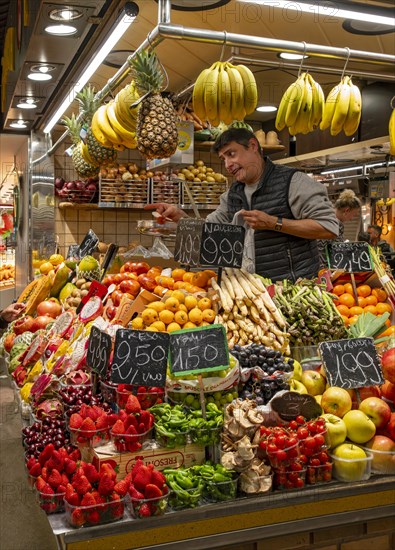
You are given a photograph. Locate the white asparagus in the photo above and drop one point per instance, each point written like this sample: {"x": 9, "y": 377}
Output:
{"x": 244, "y": 284}
{"x": 263, "y": 310}
{"x": 230, "y": 324}
{"x": 242, "y": 307}
{"x": 254, "y": 314}
{"x": 256, "y": 283}
{"x": 225, "y": 280}
{"x": 235, "y": 283}
{"x": 225, "y": 304}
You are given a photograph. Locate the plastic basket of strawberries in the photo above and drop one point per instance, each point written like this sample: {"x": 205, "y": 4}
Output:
{"x": 132, "y": 426}
{"x": 147, "y": 396}
{"x": 90, "y": 426}
{"x": 147, "y": 491}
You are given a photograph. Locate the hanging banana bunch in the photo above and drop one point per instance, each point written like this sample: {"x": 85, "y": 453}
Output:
{"x": 224, "y": 93}
{"x": 301, "y": 107}
{"x": 343, "y": 108}
{"x": 391, "y": 130}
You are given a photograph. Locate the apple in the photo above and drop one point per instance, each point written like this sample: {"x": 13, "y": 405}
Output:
{"x": 362, "y": 393}
{"x": 110, "y": 312}
{"x": 360, "y": 427}
{"x": 388, "y": 364}
{"x": 147, "y": 282}
{"x": 295, "y": 385}
{"x": 383, "y": 454}
{"x": 298, "y": 371}
{"x": 349, "y": 463}
{"x": 138, "y": 267}
{"x": 388, "y": 391}
{"x": 336, "y": 401}
{"x": 318, "y": 398}
{"x": 377, "y": 410}
{"x": 130, "y": 286}
{"x": 314, "y": 382}
{"x": 337, "y": 429}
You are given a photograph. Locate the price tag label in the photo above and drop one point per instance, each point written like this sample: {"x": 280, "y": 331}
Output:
{"x": 292, "y": 404}
{"x": 198, "y": 350}
{"x": 140, "y": 357}
{"x": 209, "y": 244}
{"x": 73, "y": 252}
{"x": 352, "y": 363}
{"x": 99, "y": 350}
{"x": 88, "y": 244}
{"x": 350, "y": 257}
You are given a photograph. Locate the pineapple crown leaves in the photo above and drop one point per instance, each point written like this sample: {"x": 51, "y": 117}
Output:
{"x": 73, "y": 126}
{"x": 87, "y": 102}
{"x": 148, "y": 72}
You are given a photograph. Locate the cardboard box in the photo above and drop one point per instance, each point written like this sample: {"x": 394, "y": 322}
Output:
{"x": 161, "y": 458}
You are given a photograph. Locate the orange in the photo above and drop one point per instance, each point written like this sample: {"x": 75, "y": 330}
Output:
{"x": 343, "y": 310}
{"x": 364, "y": 290}
{"x": 179, "y": 295}
{"x": 189, "y": 324}
{"x": 371, "y": 300}
{"x": 390, "y": 331}
{"x": 338, "y": 290}
{"x": 353, "y": 319}
{"x": 348, "y": 288}
{"x": 362, "y": 301}
{"x": 370, "y": 309}
{"x": 159, "y": 290}
{"x": 183, "y": 307}
{"x": 187, "y": 276}
{"x": 138, "y": 323}
{"x": 181, "y": 317}
{"x": 178, "y": 274}
{"x": 382, "y": 308}
{"x": 190, "y": 302}
{"x": 195, "y": 315}
{"x": 159, "y": 325}
{"x": 380, "y": 294}
{"x": 173, "y": 326}
{"x": 166, "y": 316}
{"x": 200, "y": 279}
{"x": 149, "y": 316}
{"x": 157, "y": 306}
{"x": 347, "y": 299}
{"x": 152, "y": 329}
{"x": 172, "y": 304}
{"x": 356, "y": 310}
{"x": 345, "y": 320}
{"x": 208, "y": 316}
{"x": 204, "y": 303}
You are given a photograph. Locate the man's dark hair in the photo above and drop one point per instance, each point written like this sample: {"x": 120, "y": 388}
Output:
{"x": 376, "y": 228}
{"x": 364, "y": 237}
{"x": 241, "y": 136}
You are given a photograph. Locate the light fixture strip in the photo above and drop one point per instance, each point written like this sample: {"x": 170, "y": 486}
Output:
{"x": 361, "y": 167}
{"x": 323, "y": 10}
{"x": 113, "y": 38}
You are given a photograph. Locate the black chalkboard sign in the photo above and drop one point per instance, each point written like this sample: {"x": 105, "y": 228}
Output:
{"x": 291, "y": 404}
{"x": 350, "y": 257}
{"x": 140, "y": 357}
{"x": 99, "y": 350}
{"x": 88, "y": 244}
{"x": 352, "y": 363}
{"x": 209, "y": 244}
{"x": 73, "y": 252}
{"x": 198, "y": 350}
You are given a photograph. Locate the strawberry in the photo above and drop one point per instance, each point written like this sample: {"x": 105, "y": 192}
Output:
{"x": 131, "y": 421}
{"x": 118, "y": 428}
{"x": 44, "y": 473}
{"x": 71, "y": 495}
{"x": 63, "y": 453}
{"x": 93, "y": 413}
{"x": 148, "y": 420}
{"x": 142, "y": 478}
{"x": 132, "y": 446}
{"x": 84, "y": 410}
{"x": 123, "y": 415}
{"x": 54, "y": 478}
{"x": 35, "y": 470}
{"x": 70, "y": 466}
{"x": 75, "y": 421}
{"x": 131, "y": 430}
{"x": 47, "y": 490}
{"x": 112, "y": 418}
{"x": 46, "y": 453}
{"x": 133, "y": 405}
{"x": 99, "y": 499}
{"x": 106, "y": 485}
{"x": 128, "y": 478}
{"x": 40, "y": 484}
{"x": 99, "y": 410}
{"x": 117, "y": 506}
{"x": 135, "y": 494}
{"x": 93, "y": 517}
{"x": 106, "y": 468}
{"x": 31, "y": 462}
{"x": 75, "y": 455}
{"x": 87, "y": 427}
{"x": 55, "y": 462}
{"x": 121, "y": 487}
{"x": 152, "y": 491}
{"x": 81, "y": 485}
{"x": 144, "y": 511}
{"x": 141, "y": 428}
{"x": 65, "y": 479}
{"x": 158, "y": 479}
{"x": 61, "y": 489}
{"x": 136, "y": 467}
{"x": 102, "y": 422}
{"x": 91, "y": 473}
{"x": 77, "y": 517}
{"x": 88, "y": 500}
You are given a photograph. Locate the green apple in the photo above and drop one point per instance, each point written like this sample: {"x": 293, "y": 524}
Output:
{"x": 336, "y": 401}
{"x": 318, "y": 398}
{"x": 359, "y": 426}
{"x": 350, "y": 462}
{"x": 337, "y": 429}
{"x": 295, "y": 385}
{"x": 314, "y": 382}
{"x": 298, "y": 371}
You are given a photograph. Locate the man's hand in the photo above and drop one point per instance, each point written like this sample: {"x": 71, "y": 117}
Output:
{"x": 11, "y": 312}
{"x": 166, "y": 211}
{"x": 257, "y": 219}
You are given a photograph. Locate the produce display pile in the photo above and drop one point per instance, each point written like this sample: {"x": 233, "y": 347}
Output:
{"x": 232, "y": 419}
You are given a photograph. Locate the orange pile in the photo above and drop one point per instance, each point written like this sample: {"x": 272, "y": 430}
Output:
{"x": 190, "y": 281}
{"x": 371, "y": 300}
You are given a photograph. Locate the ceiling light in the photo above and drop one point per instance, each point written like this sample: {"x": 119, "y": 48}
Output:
{"x": 292, "y": 56}
{"x": 61, "y": 30}
{"x": 266, "y": 109}
{"x": 65, "y": 14}
{"x": 39, "y": 76}
{"x": 329, "y": 10}
{"x": 27, "y": 103}
{"x": 18, "y": 124}
{"x": 39, "y": 71}
{"x": 123, "y": 23}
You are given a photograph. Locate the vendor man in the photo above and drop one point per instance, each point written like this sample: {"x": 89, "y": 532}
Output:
{"x": 10, "y": 313}
{"x": 287, "y": 209}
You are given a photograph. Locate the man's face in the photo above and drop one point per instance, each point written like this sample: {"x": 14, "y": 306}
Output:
{"x": 373, "y": 234}
{"x": 244, "y": 163}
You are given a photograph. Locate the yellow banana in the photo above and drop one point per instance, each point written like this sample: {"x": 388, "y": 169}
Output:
{"x": 330, "y": 106}
{"x": 354, "y": 110}
{"x": 127, "y": 137}
{"x": 295, "y": 100}
{"x": 127, "y": 122}
{"x": 224, "y": 96}
{"x": 318, "y": 103}
{"x": 126, "y": 97}
{"x": 198, "y": 94}
{"x": 341, "y": 109}
{"x": 236, "y": 86}
{"x": 211, "y": 95}
{"x": 250, "y": 88}
{"x": 105, "y": 126}
{"x": 302, "y": 121}
{"x": 282, "y": 109}
{"x": 99, "y": 135}
{"x": 391, "y": 129}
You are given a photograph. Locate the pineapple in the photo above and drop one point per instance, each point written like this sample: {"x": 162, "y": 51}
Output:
{"x": 156, "y": 131}
{"x": 84, "y": 169}
{"x": 88, "y": 105}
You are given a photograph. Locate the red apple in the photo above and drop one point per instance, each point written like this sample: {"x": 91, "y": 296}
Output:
{"x": 383, "y": 454}
{"x": 388, "y": 391}
{"x": 116, "y": 297}
{"x": 130, "y": 286}
{"x": 367, "y": 391}
{"x": 139, "y": 267}
{"x": 377, "y": 410}
{"x": 108, "y": 280}
{"x": 388, "y": 365}
{"x": 154, "y": 272}
{"x": 336, "y": 401}
{"x": 147, "y": 282}
{"x": 110, "y": 312}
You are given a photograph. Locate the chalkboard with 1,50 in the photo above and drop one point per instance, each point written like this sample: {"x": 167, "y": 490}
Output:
{"x": 140, "y": 357}
{"x": 351, "y": 363}
{"x": 350, "y": 257}
{"x": 99, "y": 351}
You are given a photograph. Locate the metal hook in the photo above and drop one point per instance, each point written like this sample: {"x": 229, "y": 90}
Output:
{"x": 302, "y": 61}
{"x": 223, "y": 47}
{"x": 346, "y": 63}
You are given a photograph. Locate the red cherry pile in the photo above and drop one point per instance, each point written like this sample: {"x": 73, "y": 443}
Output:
{"x": 147, "y": 396}
{"x": 147, "y": 490}
{"x": 131, "y": 426}
{"x": 93, "y": 497}
{"x": 39, "y": 434}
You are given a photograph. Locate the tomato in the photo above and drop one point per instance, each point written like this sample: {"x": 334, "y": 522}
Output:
{"x": 108, "y": 280}
{"x": 147, "y": 282}
{"x": 48, "y": 307}
{"x": 116, "y": 297}
{"x": 130, "y": 286}
{"x": 138, "y": 267}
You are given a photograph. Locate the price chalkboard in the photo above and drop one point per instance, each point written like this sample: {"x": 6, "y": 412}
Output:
{"x": 352, "y": 363}
{"x": 350, "y": 257}
{"x": 198, "y": 350}
{"x": 209, "y": 244}
{"x": 140, "y": 357}
{"x": 73, "y": 252}
{"x": 88, "y": 244}
{"x": 291, "y": 404}
{"x": 99, "y": 350}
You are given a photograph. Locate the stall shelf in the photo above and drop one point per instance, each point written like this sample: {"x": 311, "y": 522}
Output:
{"x": 249, "y": 520}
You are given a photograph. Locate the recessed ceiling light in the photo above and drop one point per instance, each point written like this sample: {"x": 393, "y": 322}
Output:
{"x": 39, "y": 76}
{"x": 27, "y": 103}
{"x": 266, "y": 109}
{"x": 292, "y": 56}
{"x": 61, "y": 30}
{"x": 65, "y": 14}
{"x": 18, "y": 124}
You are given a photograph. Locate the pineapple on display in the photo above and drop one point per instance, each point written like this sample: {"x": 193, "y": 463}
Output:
{"x": 83, "y": 168}
{"x": 101, "y": 151}
{"x": 157, "y": 134}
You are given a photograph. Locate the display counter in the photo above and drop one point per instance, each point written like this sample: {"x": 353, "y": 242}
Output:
{"x": 330, "y": 513}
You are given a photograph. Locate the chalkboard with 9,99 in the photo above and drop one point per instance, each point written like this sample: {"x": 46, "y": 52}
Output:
{"x": 99, "y": 351}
